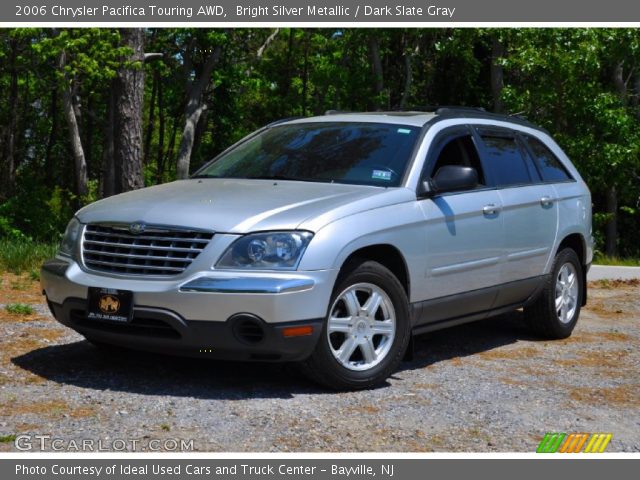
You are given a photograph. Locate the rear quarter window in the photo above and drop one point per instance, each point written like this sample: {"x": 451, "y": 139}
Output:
{"x": 549, "y": 165}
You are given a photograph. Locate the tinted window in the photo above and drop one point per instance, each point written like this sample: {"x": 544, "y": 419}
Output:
{"x": 505, "y": 161}
{"x": 362, "y": 153}
{"x": 460, "y": 151}
{"x": 550, "y": 167}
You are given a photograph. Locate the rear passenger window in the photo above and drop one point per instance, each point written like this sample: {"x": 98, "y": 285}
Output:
{"x": 550, "y": 167}
{"x": 505, "y": 161}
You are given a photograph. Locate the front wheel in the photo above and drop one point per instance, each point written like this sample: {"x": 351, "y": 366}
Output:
{"x": 555, "y": 313}
{"x": 366, "y": 332}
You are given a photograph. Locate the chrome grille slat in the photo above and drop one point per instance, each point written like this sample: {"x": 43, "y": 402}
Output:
{"x": 141, "y": 246}
{"x": 139, "y": 257}
{"x": 149, "y": 237}
{"x": 158, "y": 251}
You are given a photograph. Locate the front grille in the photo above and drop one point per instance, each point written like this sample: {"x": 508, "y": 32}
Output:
{"x": 156, "y": 251}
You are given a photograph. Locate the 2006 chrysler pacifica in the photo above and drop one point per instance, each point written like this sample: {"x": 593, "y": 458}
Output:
{"x": 331, "y": 240}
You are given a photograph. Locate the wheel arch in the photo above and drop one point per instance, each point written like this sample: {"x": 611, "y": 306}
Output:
{"x": 578, "y": 244}
{"x": 385, "y": 254}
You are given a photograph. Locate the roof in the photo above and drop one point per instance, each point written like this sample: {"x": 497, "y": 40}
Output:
{"x": 416, "y": 118}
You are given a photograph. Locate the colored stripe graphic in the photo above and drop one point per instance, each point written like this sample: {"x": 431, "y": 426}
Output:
{"x": 574, "y": 443}
{"x": 598, "y": 443}
{"x": 554, "y": 442}
{"x": 550, "y": 442}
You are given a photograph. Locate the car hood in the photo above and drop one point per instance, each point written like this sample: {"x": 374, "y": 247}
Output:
{"x": 240, "y": 205}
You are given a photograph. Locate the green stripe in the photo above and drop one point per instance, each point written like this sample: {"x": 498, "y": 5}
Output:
{"x": 543, "y": 443}
{"x": 555, "y": 447}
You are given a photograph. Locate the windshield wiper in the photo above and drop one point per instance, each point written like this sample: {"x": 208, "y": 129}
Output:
{"x": 277, "y": 177}
{"x": 204, "y": 175}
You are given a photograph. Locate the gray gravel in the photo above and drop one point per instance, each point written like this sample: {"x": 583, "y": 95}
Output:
{"x": 486, "y": 386}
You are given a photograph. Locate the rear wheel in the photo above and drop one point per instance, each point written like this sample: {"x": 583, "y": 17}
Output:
{"x": 366, "y": 331}
{"x": 555, "y": 313}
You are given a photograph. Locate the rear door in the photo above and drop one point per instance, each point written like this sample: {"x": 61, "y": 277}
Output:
{"x": 464, "y": 232}
{"x": 529, "y": 212}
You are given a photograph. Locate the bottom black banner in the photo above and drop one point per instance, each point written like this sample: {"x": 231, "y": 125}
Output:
{"x": 320, "y": 469}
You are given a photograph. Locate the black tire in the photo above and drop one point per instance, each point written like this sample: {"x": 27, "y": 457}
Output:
{"x": 323, "y": 367}
{"x": 542, "y": 316}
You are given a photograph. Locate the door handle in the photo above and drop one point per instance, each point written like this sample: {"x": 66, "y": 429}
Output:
{"x": 490, "y": 209}
{"x": 546, "y": 201}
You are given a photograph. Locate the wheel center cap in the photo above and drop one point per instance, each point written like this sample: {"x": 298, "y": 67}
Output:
{"x": 361, "y": 327}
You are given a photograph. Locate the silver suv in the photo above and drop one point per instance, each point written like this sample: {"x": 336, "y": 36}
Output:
{"x": 331, "y": 241}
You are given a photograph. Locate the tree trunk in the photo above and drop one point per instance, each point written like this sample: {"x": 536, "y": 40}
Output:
{"x": 161, "y": 123}
{"x": 151, "y": 123}
{"x": 408, "y": 80}
{"x": 108, "y": 164}
{"x": 194, "y": 108}
{"x": 80, "y": 163}
{"x": 10, "y": 142}
{"x": 611, "y": 227}
{"x": 497, "y": 74}
{"x": 378, "y": 78}
{"x": 129, "y": 90}
{"x": 53, "y": 132}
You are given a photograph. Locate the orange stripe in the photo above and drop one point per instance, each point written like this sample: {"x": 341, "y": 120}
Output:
{"x": 566, "y": 443}
{"x": 583, "y": 439}
{"x": 575, "y": 442}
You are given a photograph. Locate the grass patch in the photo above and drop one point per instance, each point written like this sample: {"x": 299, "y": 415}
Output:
{"x": 616, "y": 261}
{"x": 19, "y": 309}
{"x": 8, "y": 438}
{"x": 19, "y": 256}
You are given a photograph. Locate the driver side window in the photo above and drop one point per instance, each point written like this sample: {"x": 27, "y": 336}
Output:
{"x": 460, "y": 151}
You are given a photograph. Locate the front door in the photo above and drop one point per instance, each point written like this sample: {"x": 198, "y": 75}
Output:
{"x": 464, "y": 235}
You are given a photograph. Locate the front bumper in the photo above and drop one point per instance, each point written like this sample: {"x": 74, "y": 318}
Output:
{"x": 202, "y": 314}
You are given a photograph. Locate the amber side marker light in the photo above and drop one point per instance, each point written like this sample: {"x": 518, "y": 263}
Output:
{"x": 297, "y": 331}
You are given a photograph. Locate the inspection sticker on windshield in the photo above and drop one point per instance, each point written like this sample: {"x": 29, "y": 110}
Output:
{"x": 404, "y": 130}
{"x": 381, "y": 175}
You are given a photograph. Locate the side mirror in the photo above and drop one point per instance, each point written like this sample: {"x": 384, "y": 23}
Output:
{"x": 454, "y": 177}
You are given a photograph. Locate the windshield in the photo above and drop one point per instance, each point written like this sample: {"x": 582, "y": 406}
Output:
{"x": 360, "y": 153}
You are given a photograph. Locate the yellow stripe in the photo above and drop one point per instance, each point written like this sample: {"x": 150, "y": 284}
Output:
{"x": 590, "y": 444}
{"x": 583, "y": 439}
{"x": 566, "y": 443}
{"x": 596, "y": 445}
{"x": 606, "y": 441}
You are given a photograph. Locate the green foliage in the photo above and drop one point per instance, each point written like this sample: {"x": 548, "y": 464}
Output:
{"x": 19, "y": 308}
{"x": 18, "y": 256}
{"x": 616, "y": 261}
{"x": 8, "y": 438}
{"x": 562, "y": 79}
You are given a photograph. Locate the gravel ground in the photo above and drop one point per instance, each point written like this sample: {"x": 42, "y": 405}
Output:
{"x": 480, "y": 387}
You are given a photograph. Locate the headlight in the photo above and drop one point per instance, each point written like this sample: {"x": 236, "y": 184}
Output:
{"x": 266, "y": 251}
{"x": 70, "y": 238}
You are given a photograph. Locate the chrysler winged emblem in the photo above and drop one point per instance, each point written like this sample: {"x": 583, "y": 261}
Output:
{"x": 136, "y": 228}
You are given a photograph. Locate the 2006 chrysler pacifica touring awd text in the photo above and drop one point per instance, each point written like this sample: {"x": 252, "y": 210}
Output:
{"x": 331, "y": 240}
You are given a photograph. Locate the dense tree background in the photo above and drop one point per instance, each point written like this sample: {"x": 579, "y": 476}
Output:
{"x": 88, "y": 113}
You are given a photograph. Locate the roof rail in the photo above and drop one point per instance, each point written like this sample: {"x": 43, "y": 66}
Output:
{"x": 468, "y": 112}
{"x": 282, "y": 120}
{"x": 336, "y": 112}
